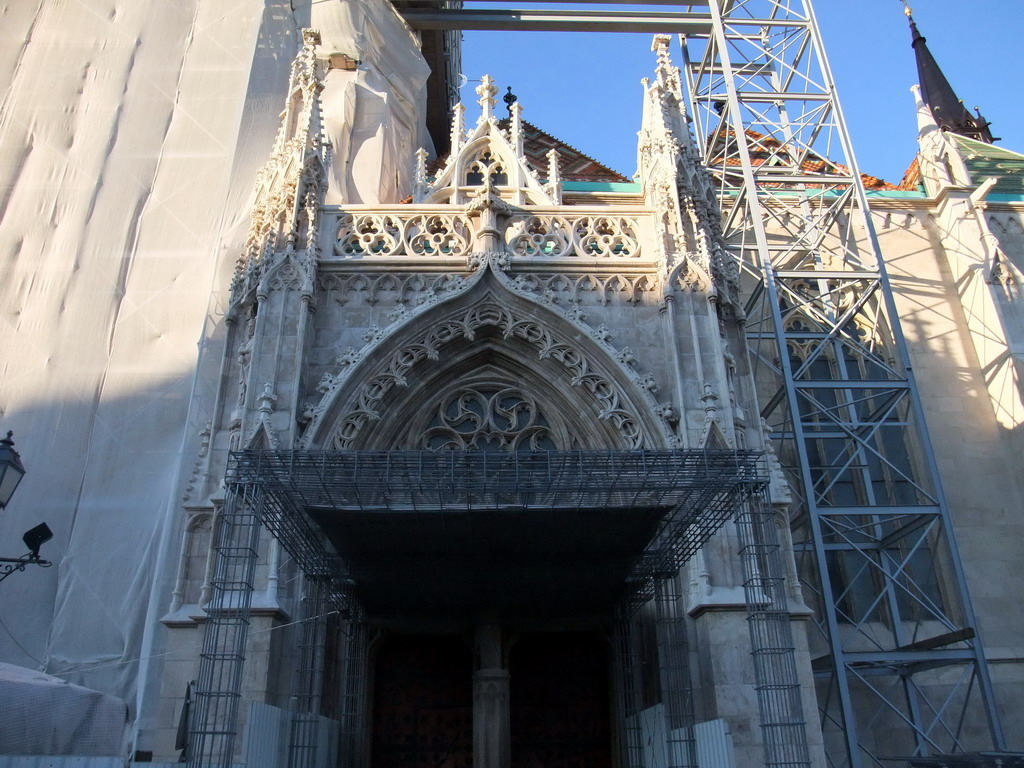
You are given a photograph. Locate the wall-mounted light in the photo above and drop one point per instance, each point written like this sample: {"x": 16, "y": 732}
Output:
{"x": 11, "y": 470}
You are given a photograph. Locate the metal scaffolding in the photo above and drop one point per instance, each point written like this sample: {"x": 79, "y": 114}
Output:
{"x": 213, "y": 721}
{"x": 686, "y": 496}
{"x": 771, "y": 635}
{"x": 900, "y": 672}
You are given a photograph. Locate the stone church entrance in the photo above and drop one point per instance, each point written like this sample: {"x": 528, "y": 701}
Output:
{"x": 558, "y": 703}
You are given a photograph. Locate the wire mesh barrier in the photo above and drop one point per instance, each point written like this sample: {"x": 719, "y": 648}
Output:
{"x": 695, "y": 492}
{"x": 308, "y": 678}
{"x": 217, "y": 694}
{"x": 771, "y": 637}
{"x": 692, "y": 492}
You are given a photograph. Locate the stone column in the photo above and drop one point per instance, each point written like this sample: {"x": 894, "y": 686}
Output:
{"x": 491, "y": 744}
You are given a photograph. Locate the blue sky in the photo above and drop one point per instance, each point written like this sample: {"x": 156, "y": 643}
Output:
{"x": 585, "y": 88}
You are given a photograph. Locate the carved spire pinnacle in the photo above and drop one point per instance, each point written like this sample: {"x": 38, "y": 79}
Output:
{"x": 420, "y": 174}
{"x": 554, "y": 186}
{"x": 666, "y": 74}
{"x": 290, "y": 186}
{"x": 516, "y": 127}
{"x": 486, "y": 91}
{"x": 458, "y": 127}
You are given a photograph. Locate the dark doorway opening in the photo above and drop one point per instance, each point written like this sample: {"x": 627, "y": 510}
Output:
{"x": 559, "y": 695}
{"x": 423, "y": 703}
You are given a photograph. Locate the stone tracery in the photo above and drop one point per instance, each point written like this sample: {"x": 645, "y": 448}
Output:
{"x": 428, "y": 345}
{"x": 488, "y": 418}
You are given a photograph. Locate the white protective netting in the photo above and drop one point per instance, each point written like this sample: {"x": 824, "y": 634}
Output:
{"x": 43, "y": 715}
{"x": 130, "y": 137}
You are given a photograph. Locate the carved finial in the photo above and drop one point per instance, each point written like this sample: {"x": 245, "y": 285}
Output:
{"x": 420, "y": 186}
{"x": 265, "y": 402}
{"x": 554, "y": 177}
{"x": 310, "y": 37}
{"x": 666, "y": 74}
{"x": 421, "y": 165}
{"x": 486, "y": 91}
{"x": 660, "y": 46}
{"x": 906, "y": 9}
{"x": 458, "y": 127}
{"x": 516, "y": 128}
{"x": 710, "y": 399}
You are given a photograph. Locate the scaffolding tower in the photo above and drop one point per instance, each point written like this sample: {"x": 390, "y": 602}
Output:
{"x": 900, "y": 670}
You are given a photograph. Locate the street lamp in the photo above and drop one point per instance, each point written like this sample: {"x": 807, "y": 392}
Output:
{"x": 11, "y": 472}
{"x": 11, "y": 469}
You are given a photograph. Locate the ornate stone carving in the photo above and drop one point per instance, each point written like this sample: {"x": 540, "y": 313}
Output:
{"x": 678, "y": 187}
{"x": 197, "y": 468}
{"x": 488, "y": 157}
{"x": 373, "y": 234}
{"x": 585, "y": 236}
{"x": 428, "y": 345}
{"x": 263, "y": 430}
{"x": 290, "y": 186}
{"x": 410, "y": 289}
{"x": 586, "y": 288}
{"x": 488, "y": 418}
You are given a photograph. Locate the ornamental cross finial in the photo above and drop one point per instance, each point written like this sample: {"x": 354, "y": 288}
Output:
{"x": 509, "y": 99}
{"x": 486, "y": 91}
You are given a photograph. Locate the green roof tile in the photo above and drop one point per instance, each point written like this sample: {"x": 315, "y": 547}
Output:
{"x": 987, "y": 160}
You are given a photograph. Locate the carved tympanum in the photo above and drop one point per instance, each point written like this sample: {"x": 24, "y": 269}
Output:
{"x": 489, "y": 418}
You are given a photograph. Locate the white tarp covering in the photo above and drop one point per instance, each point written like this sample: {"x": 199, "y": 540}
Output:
{"x": 130, "y": 136}
{"x": 43, "y": 715}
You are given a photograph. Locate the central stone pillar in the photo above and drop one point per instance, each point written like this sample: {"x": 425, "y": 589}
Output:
{"x": 492, "y": 747}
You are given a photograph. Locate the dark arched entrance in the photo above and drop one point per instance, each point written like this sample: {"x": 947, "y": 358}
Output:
{"x": 559, "y": 696}
{"x": 423, "y": 703}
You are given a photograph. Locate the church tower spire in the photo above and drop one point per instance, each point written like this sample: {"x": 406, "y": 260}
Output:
{"x": 949, "y": 112}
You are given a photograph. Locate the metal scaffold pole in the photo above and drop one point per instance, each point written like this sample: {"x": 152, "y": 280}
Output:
{"x": 899, "y": 669}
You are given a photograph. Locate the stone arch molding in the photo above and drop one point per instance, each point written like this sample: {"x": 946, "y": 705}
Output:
{"x": 488, "y": 319}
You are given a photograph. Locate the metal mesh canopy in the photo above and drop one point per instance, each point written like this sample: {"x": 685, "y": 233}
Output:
{"x": 441, "y": 534}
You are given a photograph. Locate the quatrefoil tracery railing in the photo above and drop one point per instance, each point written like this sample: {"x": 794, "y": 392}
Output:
{"x": 361, "y": 235}
{"x": 583, "y": 236}
{"x": 373, "y": 234}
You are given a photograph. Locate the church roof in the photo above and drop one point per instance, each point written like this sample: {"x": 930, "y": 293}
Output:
{"x": 984, "y": 161}
{"x": 573, "y": 165}
{"x": 767, "y": 149}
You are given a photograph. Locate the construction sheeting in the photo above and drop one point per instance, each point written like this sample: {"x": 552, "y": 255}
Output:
{"x": 43, "y": 715}
{"x": 130, "y": 137}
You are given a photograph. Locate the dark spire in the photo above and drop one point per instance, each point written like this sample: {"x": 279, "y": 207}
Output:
{"x": 949, "y": 112}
